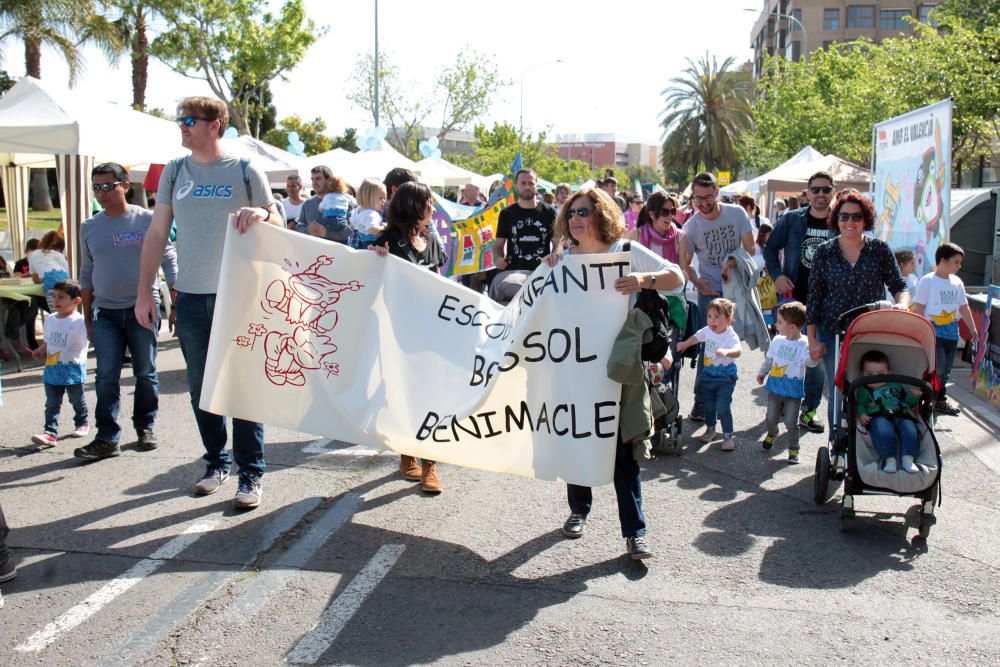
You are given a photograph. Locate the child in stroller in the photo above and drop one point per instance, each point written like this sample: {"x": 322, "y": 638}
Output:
{"x": 887, "y": 411}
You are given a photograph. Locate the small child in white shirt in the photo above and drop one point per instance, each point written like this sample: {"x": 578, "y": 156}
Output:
{"x": 718, "y": 380}
{"x": 785, "y": 369}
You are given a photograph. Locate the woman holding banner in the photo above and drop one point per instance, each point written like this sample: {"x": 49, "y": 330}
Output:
{"x": 407, "y": 236}
{"x": 591, "y": 223}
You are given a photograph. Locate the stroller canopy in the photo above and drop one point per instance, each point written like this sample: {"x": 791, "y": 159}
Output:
{"x": 906, "y": 338}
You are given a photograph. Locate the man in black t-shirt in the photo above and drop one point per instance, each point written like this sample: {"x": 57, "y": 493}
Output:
{"x": 524, "y": 238}
{"x": 798, "y": 233}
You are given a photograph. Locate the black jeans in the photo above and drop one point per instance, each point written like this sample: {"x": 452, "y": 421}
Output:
{"x": 628, "y": 489}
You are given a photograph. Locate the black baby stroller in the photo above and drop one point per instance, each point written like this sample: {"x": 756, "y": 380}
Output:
{"x": 666, "y": 382}
{"x": 908, "y": 341}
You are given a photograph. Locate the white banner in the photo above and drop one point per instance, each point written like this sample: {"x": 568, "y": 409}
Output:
{"x": 913, "y": 181}
{"x": 313, "y": 336}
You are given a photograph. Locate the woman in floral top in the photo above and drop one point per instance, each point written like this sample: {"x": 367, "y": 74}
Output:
{"x": 848, "y": 271}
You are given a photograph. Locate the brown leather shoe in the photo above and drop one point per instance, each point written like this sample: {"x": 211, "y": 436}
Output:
{"x": 429, "y": 482}
{"x": 409, "y": 468}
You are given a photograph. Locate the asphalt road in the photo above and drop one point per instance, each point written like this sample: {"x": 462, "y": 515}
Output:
{"x": 344, "y": 562}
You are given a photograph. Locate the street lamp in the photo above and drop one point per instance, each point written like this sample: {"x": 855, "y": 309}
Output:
{"x": 805, "y": 35}
{"x": 520, "y": 127}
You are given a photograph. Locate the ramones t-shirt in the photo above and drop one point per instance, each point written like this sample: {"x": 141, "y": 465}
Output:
{"x": 817, "y": 232}
{"x": 529, "y": 234}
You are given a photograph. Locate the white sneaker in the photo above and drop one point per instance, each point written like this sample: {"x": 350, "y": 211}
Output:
{"x": 908, "y": 465}
{"x": 728, "y": 445}
{"x": 890, "y": 464}
{"x": 708, "y": 436}
{"x": 81, "y": 431}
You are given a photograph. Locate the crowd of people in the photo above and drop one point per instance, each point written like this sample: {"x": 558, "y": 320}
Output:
{"x": 819, "y": 257}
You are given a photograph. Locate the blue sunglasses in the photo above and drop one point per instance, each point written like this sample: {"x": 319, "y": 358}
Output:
{"x": 189, "y": 121}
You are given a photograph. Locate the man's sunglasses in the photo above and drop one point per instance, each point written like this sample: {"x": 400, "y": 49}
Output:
{"x": 825, "y": 189}
{"x": 856, "y": 217}
{"x": 667, "y": 212}
{"x": 583, "y": 212}
{"x": 106, "y": 187}
{"x": 189, "y": 121}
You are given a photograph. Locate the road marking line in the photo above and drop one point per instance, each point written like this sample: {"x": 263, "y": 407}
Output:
{"x": 97, "y": 600}
{"x": 342, "y": 609}
{"x": 134, "y": 648}
{"x": 273, "y": 578}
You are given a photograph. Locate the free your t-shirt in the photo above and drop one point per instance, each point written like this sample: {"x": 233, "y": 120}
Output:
{"x": 817, "y": 231}
{"x": 713, "y": 240}
{"x": 66, "y": 346}
{"x": 49, "y": 265}
{"x": 788, "y": 366}
{"x": 529, "y": 234}
{"x": 202, "y": 196}
{"x": 941, "y": 298}
{"x": 716, "y": 365}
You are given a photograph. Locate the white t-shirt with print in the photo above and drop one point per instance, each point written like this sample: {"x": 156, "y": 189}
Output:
{"x": 716, "y": 364}
{"x": 789, "y": 359}
{"x": 941, "y": 299}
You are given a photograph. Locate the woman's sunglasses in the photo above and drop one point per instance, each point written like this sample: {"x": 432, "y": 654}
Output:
{"x": 856, "y": 217}
{"x": 583, "y": 212}
{"x": 667, "y": 212}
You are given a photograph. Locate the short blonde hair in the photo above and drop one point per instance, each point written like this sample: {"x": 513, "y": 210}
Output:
{"x": 607, "y": 217}
{"x": 369, "y": 193}
{"x": 207, "y": 107}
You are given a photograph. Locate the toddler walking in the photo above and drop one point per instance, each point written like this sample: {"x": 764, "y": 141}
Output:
{"x": 785, "y": 369}
{"x": 65, "y": 351}
{"x": 718, "y": 380}
{"x": 886, "y": 410}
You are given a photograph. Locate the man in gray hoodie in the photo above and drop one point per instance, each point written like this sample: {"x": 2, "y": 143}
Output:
{"x": 110, "y": 248}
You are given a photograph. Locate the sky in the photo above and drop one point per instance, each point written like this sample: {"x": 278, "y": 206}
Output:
{"x": 617, "y": 57}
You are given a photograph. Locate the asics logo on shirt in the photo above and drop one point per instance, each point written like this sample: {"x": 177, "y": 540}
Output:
{"x": 204, "y": 191}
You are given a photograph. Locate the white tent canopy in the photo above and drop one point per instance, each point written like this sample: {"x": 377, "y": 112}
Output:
{"x": 804, "y": 156}
{"x": 356, "y": 167}
{"x": 734, "y": 188}
{"x": 278, "y": 164}
{"x": 42, "y": 125}
{"x": 438, "y": 172}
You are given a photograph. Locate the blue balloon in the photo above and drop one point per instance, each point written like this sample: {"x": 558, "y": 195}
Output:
{"x": 230, "y": 133}
{"x": 425, "y": 149}
{"x": 293, "y": 137}
{"x": 436, "y": 154}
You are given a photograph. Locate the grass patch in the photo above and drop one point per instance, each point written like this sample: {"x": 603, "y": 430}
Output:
{"x": 44, "y": 220}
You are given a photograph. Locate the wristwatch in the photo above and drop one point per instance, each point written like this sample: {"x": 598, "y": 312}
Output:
{"x": 652, "y": 281}
{"x": 268, "y": 216}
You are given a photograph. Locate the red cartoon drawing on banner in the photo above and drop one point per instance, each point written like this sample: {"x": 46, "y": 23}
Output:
{"x": 305, "y": 300}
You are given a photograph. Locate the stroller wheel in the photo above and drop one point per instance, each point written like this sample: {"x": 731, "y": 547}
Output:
{"x": 821, "y": 476}
{"x": 927, "y": 518}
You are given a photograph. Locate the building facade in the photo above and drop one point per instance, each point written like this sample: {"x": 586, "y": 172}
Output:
{"x": 607, "y": 150}
{"x": 819, "y": 23}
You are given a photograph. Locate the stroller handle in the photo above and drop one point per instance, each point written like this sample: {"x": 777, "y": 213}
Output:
{"x": 846, "y": 318}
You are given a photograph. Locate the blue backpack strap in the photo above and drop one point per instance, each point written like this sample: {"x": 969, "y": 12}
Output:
{"x": 175, "y": 166}
{"x": 245, "y": 165}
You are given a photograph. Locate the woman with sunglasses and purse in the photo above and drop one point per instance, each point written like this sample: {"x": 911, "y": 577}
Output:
{"x": 656, "y": 228}
{"x": 591, "y": 223}
{"x": 850, "y": 270}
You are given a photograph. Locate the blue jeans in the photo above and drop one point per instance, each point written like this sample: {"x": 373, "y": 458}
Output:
{"x": 628, "y": 489}
{"x": 894, "y": 435}
{"x": 702, "y": 320}
{"x": 945, "y": 361}
{"x": 814, "y": 384}
{"x": 717, "y": 393}
{"x": 114, "y": 331}
{"x": 194, "y": 326}
{"x": 53, "y": 404}
{"x": 829, "y": 361}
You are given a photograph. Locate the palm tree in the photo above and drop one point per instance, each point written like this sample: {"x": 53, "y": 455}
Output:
{"x": 64, "y": 25}
{"x": 133, "y": 26}
{"x": 706, "y": 109}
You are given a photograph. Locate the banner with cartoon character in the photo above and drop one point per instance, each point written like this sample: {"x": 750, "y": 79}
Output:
{"x": 317, "y": 337}
{"x": 913, "y": 181}
{"x": 470, "y": 238}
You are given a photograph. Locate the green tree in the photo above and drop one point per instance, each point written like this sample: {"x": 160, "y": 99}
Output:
{"x": 833, "y": 100}
{"x": 463, "y": 91}
{"x": 6, "y": 83}
{"x": 705, "y": 114}
{"x": 311, "y": 133}
{"x": 259, "y": 104}
{"x": 232, "y": 44}
{"x": 974, "y": 14}
{"x": 348, "y": 140}
{"x": 65, "y": 26}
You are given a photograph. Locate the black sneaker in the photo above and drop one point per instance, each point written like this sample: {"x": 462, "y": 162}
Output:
{"x": 214, "y": 477}
{"x": 147, "y": 440}
{"x": 768, "y": 441}
{"x": 697, "y": 412}
{"x": 945, "y": 408}
{"x": 574, "y": 526}
{"x": 637, "y": 548}
{"x": 249, "y": 491}
{"x": 811, "y": 421}
{"x": 97, "y": 450}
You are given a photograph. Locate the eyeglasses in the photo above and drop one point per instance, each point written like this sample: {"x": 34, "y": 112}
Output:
{"x": 106, "y": 187}
{"x": 706, "y": 198}
{"x": 583, "y": 212}
{"x": 825, "y": 189}
{"x": 189, "y": 121}
{"x": 636, "y": 201}
{"x": 854, "y": 217}
{"x": 667, "y": 212}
